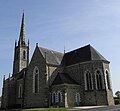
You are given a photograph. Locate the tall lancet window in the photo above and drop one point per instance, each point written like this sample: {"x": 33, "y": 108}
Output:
{"x": 77, "y": 99}
{"x": 60, "y": 99}
{"x": 36, "y": 80}
{"x": 20, "y": 91}
{"x": 99, "y": 80}
{"x": 88, "y": 81}
{"x": 24, "y": 54}
{"x": 53, "y": 97}
{"x": 108, "y": 80}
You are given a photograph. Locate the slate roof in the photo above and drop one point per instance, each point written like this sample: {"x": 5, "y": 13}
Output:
{"x": 52, "y": 57}
{"x": 63, "y": 78}
{"x": 83, "y": 54}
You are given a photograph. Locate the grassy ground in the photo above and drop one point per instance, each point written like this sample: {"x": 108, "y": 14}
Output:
{"x": 41, "y": 109}
{"x": 47, "y": 109}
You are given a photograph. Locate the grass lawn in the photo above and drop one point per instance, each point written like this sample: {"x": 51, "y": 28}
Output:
{"x": 47, "y": 109}
{"x": 41, "y": 109}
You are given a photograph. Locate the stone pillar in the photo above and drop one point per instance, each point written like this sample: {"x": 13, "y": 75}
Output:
{"x": 66, "y": 101}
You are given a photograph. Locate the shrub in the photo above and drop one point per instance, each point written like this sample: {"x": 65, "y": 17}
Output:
{"x": 117, "y": 100}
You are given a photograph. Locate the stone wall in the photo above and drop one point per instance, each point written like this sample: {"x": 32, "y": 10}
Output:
{"x": 68, "y": 94}
{"x": 57, "y": 88}
{"x": 109, "y": 91}
{"x": 18, "y": 99}
{"x": 39, "y": 99}
{"x": 23, "y": 62}
{"x": 12, "y": 93}
{"x": 4, "y": 101}
{"x": 8, "y": 97}
{"x": 77, "y": 73}
{"x": 71, "y": 91}
{"x": 50, "y": 71}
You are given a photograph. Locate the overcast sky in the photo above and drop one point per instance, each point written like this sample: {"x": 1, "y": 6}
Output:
{"x": 58, "y": 23}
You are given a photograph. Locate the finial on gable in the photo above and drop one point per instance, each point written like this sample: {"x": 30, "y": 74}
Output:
{"x": 4, "y": 78}
{"x": 9, "y": 75}
{"x": 28, "y": 42}
{"x": 36, "y": 44}
{"x": 64, "y": 49}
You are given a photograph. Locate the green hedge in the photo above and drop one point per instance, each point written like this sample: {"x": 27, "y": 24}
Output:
{"x": 117, "y": 100}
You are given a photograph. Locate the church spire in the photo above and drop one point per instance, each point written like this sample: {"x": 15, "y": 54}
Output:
{"x": 21, "y": 54}
{"x": 22, "y": 37}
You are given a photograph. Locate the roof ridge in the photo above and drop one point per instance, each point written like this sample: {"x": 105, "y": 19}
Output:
{"x": 91, "y": 52}
{"x": 51, "y": 50}
{"x": 52, "y": 57}
{"x": 98, "y": 54}
{"x": 41, "y": 52}
{"x": 78, "y": 48}
{"x": 62, "y": 78}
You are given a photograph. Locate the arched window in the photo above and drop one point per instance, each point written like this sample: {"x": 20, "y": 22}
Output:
{"x": 36, "y": 80}
{"x": 88, "y": 81}
{"x": 60, "y": 96}
{"x": 99, "y": 80}
{"x": 20, "y": 91}
{"x": 77, "y": 99}
{"x": 24, "y": 54}
{"x": 53, "y": 97}
{"x": 56, "y": 97}
{"x": 108, "y": 80}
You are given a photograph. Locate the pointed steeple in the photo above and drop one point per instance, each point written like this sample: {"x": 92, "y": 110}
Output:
{"x": 22, "y": 37}
{"x": 4, "y": 79}
{"x": 21, "y": 51}
{"x": 15, "y": 43}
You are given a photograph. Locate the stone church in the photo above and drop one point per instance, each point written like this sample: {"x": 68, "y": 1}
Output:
{"x": 54, "y": 79}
